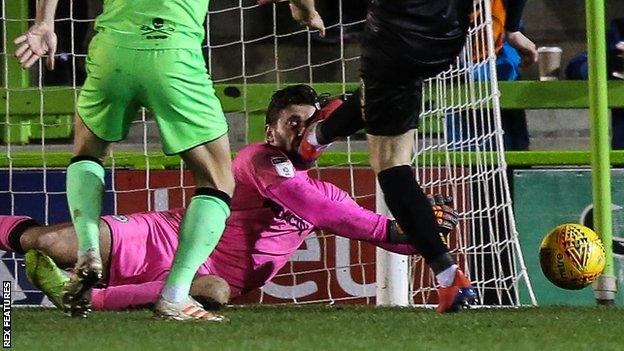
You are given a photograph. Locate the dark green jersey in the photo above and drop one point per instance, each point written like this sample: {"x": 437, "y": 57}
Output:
{"x": 149, "y": 24}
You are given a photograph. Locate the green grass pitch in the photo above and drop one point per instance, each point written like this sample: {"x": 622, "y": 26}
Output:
{"x": 327, "y": 328}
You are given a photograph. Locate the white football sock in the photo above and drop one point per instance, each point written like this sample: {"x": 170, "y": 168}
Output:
{"x": 175, "y": 293}
{"x": 447, "y": 276}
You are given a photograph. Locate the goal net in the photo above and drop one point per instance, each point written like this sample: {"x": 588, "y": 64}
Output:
{"x": 250, "y": 52}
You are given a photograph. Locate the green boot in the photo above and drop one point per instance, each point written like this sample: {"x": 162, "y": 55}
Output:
{"x": 45, "y": 274}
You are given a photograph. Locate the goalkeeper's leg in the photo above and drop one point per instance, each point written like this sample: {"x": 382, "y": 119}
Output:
{"x": 201, "y": 228}
{"x": 60, "y": 242}
{"x": 211, "y": 291}
{"x": 47, "y": 248}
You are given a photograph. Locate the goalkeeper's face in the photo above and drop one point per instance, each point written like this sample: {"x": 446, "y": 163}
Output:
{"x": 287, "y": 131}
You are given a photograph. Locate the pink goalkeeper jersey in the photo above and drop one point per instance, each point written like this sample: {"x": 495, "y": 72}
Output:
{"x": 261, "y": 234}
{"x": 274, "y": 208}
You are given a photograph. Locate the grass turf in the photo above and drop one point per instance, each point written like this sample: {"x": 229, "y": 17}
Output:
{"x": 327, "y": 328}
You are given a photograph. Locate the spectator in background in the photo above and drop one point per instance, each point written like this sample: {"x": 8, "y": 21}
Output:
{"x": 514, "y": 122}
{"x": 517, "y": 51}
{"x": 513, "y": 50}
{"x": 577, "y": 69}
{"x": 513, "y": 34}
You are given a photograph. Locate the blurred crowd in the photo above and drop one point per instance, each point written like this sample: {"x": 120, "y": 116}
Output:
{"x": 577, "y": 69}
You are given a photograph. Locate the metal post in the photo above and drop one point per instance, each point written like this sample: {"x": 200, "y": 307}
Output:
{"x": 604, "y": 287}
{"x": 16, "y": 12}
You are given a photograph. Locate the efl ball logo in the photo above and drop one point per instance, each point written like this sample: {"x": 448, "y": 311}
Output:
{"x": 572, "y": 256}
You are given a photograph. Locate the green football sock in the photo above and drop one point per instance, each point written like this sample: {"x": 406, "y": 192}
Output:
{"x": 200, "y": 231}
{"x": 85, "y": 188}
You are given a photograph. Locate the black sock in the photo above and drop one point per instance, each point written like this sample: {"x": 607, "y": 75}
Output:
{"x": 411, "y": 208}
{"x": 86, "y": 158}
{"x": 214, "y": 193}
{"x": 17, "y": 232}
{"x": 346, "y": 120}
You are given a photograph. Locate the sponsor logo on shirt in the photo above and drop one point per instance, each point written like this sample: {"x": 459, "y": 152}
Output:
{"x": 120, "y": 218}
{"x": 287, "y": 216}
{"x": 157, "y": 30}
{"x": 283, "y": 166}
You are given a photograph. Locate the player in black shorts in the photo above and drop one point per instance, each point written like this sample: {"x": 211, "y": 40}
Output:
{"x": 404, "y": 43}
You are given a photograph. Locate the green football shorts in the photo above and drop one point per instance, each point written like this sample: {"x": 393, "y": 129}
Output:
{"x": 172, "y": 83}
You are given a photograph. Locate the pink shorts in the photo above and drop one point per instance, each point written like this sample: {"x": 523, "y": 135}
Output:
{"x": 7, "y": 225}
{"x": 143, "y": 246}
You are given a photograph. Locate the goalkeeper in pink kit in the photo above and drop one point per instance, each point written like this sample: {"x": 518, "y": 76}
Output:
{"x": 275, "y": 206}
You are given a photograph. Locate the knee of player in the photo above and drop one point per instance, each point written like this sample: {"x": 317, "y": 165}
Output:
{"x": 228, "y": 185}
{"x": 223, "y": 184}
{"x": 211, "y": 291}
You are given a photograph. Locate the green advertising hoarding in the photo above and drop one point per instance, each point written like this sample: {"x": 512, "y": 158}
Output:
{"x": 545, "y": 198}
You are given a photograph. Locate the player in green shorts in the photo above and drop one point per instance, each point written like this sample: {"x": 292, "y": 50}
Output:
{"x": 147, "y": 53}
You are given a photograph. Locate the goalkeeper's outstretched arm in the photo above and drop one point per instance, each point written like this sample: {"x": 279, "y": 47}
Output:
{"x": 40, "y": 39}
{"x": 329, "y": 208}
{"x": 333, "y": 210}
